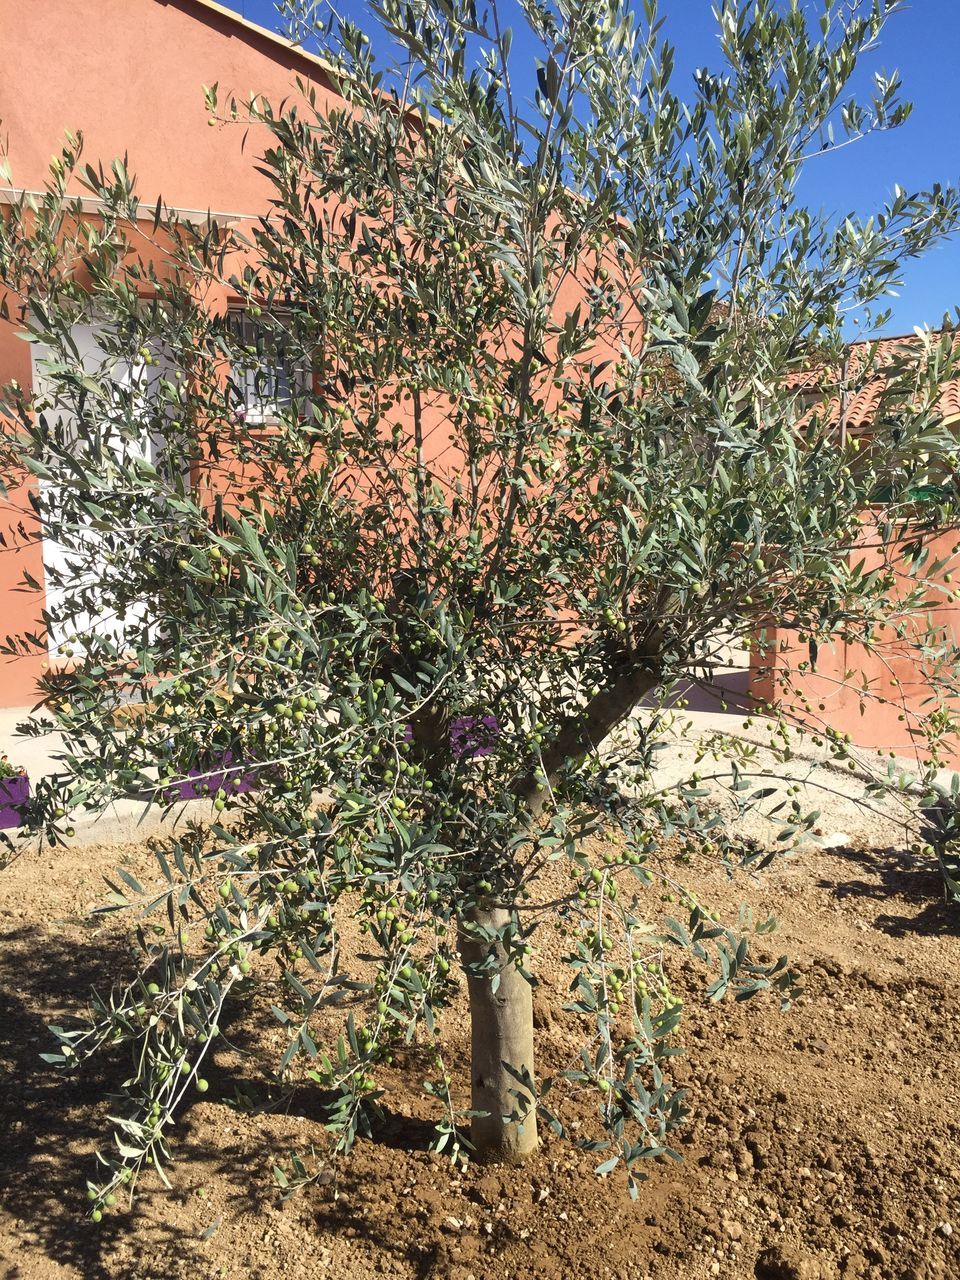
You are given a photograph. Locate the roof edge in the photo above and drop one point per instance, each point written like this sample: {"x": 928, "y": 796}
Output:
{"x": 263, "y": 33}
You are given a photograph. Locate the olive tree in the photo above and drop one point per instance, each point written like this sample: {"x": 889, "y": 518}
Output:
{"x": 407, "y": 564}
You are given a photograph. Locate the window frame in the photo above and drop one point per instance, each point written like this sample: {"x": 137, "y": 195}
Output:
{"x": 263, "y": 409}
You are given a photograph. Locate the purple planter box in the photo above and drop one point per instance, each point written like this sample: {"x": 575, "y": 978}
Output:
{"x": 473, "y": 736}
{"x": 470, "y": 736}
{"x": 14, "y": 793}
{"x": 223, "y": 775}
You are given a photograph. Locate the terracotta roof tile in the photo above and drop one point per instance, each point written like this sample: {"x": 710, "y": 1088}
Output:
{"x": 868, "y": 367}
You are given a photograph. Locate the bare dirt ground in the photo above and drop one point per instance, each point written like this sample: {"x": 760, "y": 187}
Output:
{"x": 823, "y": 1141}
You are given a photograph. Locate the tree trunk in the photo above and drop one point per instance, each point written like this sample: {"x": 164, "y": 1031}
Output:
{"x": 502, "y": 1036}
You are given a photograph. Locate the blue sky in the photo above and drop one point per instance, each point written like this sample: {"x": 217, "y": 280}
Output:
{"x": 923, "y": 43}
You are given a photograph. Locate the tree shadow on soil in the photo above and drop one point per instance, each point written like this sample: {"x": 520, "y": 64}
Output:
{"x": 346, "y": 1203}
{"x": 421, "y": 1251}
{"x": 894, "y": 876}
{"x": 53, "y": 1123}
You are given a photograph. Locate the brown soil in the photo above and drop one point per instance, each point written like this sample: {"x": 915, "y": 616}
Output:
{"x": 823, "y": 1141}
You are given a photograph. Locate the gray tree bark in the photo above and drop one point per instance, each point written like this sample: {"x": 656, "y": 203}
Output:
{"x": 501, "y": 1023}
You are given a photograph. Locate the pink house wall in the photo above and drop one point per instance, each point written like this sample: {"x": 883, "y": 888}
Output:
{"x": 898, "y": 696}
{"x": 129, "y": 74}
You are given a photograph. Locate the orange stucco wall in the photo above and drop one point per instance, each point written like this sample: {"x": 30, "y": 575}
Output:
{"x": 128, "y": 74}
{"x": 878, "y": 696}
{"x": 19, "y": 608}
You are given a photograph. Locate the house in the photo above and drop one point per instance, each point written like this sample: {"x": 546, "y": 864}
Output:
{"x": 84, "y": 68}
{"x": 878, "y": 694}
{"x": 129, "y": 75}
{"x": 855, "y": 393}
{"x": 151, "y": 108}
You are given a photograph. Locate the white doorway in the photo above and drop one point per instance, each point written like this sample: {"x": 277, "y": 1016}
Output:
{"x": 84, "y": 565}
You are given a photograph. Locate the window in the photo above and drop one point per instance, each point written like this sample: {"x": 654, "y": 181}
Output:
{"x": 272, "y": 376}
